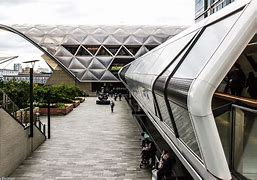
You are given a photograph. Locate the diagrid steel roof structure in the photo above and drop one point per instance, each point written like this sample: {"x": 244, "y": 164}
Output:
{"x": 89, "y": 52}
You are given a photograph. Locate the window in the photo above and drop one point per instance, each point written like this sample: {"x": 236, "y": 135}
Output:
{"x": 164, "y": 110}
{"x": 205, "y": 47}
{"x": 185, "y": 127}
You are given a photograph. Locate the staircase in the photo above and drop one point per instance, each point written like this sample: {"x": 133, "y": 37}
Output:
{"x": 20, "y": 115}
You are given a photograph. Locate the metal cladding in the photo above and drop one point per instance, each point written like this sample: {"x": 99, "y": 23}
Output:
{"x": 88, "y": 52}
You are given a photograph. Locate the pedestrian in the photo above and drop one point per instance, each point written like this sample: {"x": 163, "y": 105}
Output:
{"x": 237, "y": 80}
{"x": 165, "y": 167}
{"x": 115, "y": 97}
{"x": 112, "y": 106}
{"x": 120, "y": 96}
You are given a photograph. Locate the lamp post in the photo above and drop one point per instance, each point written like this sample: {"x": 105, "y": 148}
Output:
{"x": 31, "y": 97}
{"x": 48, "y": 112}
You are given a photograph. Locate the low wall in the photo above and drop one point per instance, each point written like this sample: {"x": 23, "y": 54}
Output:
{"x": 15, "y": 145}
{"x": 57, "y": 111}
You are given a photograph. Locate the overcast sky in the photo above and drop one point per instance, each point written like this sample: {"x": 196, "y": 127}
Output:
{"x": 87, "y": 12}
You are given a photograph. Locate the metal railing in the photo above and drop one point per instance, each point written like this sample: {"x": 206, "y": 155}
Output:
{"x": 237, "y": 129}
{"x": 20, "y": 115}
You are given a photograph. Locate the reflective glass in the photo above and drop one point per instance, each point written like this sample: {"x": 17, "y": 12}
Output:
{"x": 164, "y": 110}
{"x": 185, "y": 128}
{"x": 170, "y": 51}
{"x": 205, "y": 47}
{"x": 245, "y": 144}
{"x": 223, "y": 123}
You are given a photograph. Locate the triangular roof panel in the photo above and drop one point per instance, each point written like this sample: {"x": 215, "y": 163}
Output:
{"x": 78, "y": 73}
{"x": 109, "y": 76}
{"x": 103, "y": 52}
{"x": 70, "y": 40}
{"x": 35, "y": 32}
{"x": 100, "y": 31}
{"x": 120, "y": 32}
{"x": 141, "y": 51}
{"x": 132, "y": 40}
{"x": 140, "y": 33}
{"x": 111, "y": 40}
{"x": 123, "y": 52}
{"x": 56, "y": 32}
{"x": 79, "y": 34}
{"x": 159, "y": 33}
{"x": 97, "y": 72}
{"x": 83, "y": 52}
{"x": 151, "y": 40}
{"x": 91, "y": 48}
{"x": 106, "y": 61}
{"x": 76, "y": 64}
{"x": 49, "y": 40}
{"x": 63, "y": 52}
{"x": 38, "y": 40}
{"x": 95, "y": 64}
{"x": 90, "y": 40}
{"x": 64, "y": 60}
{"x": 85, "y": 60}
{"x": 88, "y": 76}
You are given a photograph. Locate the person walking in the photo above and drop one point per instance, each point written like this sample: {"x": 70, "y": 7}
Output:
{"x": 112, "y": 106}
{"x": 115, "y": 97}
{"x": 120, "y": 96}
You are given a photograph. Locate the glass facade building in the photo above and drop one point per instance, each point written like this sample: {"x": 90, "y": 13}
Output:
{"x": 204, "y": 8}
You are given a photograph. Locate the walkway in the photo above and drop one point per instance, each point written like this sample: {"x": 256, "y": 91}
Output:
{"x": 89, "y": 143}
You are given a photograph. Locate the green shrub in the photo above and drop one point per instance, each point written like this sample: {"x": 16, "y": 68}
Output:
{"x": 18, "y": 91}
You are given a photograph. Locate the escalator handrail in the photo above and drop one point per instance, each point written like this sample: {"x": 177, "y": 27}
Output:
{"x": 244, "y": 108}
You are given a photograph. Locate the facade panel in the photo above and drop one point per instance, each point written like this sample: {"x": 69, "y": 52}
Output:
{"x": 95, "y": 54}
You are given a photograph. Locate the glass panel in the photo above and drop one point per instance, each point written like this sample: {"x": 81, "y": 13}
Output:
{"x": 113, "y": 49}
{"x": 71, "y": 48}
{"x": 205, "y": 47}
{"x": 133, "y": 49}
{"x": 245, "y": 148}
{"x": 185, "y": 128}
{"x": 170, "y": 51}
{"x": 103, "y": 52}
{"x": 123, "y": 52}
{"x": 92, "y": 48}
{"x": 164, "y": 110}
{"x": 223, "y": 123}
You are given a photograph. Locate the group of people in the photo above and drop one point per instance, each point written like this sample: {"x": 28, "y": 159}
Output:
{"x": 148, "y": 151}
{"x": 166, "y": 163}
{"x": 116, "y": 96}
{"x": 236, "y": 82}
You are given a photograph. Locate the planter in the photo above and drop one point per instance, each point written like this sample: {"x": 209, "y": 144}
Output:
{"x": 76, "y": 103}
{"x": 57, "y": 111}
{"x": 81, "y": 99}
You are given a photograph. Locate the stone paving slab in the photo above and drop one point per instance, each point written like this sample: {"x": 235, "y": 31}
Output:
{"x": 88, "y": 143}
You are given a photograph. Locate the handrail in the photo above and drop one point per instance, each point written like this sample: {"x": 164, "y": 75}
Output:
{"x": 20, "y": 115}
{"x": 222, "y": 109}
{"x": 244, "y": 108}
{"x": 233, "y": 98}
{"x": 12, "y": 109}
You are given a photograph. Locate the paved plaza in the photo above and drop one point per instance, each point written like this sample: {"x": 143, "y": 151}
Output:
{"x": 89, "y": 143}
